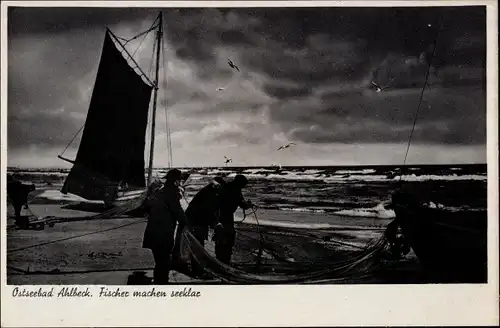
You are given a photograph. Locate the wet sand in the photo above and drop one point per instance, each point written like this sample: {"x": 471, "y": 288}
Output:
{"x": 120, "y": 248}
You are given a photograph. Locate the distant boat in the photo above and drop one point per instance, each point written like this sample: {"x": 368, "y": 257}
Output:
{"x": 277, "y": 167}
{"x": 109, "y": 165}
{"x": 451, "y": 246}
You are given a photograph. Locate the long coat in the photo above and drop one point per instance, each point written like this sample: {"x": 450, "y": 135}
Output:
{"x": 203, "y": 208}
{"x": 164, "y": 211}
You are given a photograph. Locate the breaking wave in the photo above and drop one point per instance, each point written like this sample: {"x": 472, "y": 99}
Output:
{"x": 378, "y": 211}
{"x": 344, "y": 191}
{"x": 301, "y": 225}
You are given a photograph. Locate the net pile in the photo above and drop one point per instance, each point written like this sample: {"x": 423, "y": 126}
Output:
{"x": 274, "y": 255}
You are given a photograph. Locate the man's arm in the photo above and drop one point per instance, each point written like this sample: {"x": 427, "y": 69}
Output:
{"x": 244, "y": 204}
{"x": 175, "y": 207}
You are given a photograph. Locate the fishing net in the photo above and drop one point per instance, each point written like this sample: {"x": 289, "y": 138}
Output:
{"x": 273, "y": 255}
{"x": 266, "y": 254}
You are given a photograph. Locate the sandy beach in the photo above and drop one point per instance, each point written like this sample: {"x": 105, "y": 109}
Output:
{"x": 109, "y": 256}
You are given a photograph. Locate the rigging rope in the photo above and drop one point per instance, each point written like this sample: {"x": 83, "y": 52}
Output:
{"x": 76, "y": 134}
{"x": 153, "y": 26}
{"x": 167, "y": 127}
{"x": 140, "y": 44}
{"x": 145, "y": 33}
{"x": 150, "y": 109}
{"x": 422, "y": 95}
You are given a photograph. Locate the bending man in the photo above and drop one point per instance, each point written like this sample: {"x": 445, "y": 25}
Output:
{"x": 203, "y": 212}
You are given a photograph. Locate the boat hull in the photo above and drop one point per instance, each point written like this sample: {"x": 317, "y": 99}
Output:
{"x": 126, "y": 196}
{"x": 451, "y": 246}
{"x": 53, "y": 203}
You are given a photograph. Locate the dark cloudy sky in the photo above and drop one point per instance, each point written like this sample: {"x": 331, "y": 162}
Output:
{"x": 305, "y": 78}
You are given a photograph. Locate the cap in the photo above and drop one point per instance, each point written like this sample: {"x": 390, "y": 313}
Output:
{"x": 240, "y": 180}
{"x": 173, "y": 175}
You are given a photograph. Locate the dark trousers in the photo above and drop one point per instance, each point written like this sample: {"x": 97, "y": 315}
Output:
{"x": 17, "y": 210}
{"x": 201, "y": 234}
{"x": 161, "y": 271}
{"x": 224, "y": 242}
{"x": 176, "y": 252}
{"x": 20, "y": 221}
{"x": 18, "y": 206}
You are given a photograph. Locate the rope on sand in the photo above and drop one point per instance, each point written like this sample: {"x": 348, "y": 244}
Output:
{"x": 78, "y": 236}
{"x": 59, "y": 272}
{"x": 21, "y": 272}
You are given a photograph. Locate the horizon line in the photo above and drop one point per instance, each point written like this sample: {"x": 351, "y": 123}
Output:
{"x": 263, "y": 166}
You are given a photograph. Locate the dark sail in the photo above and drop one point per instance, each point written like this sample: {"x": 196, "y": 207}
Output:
{"x": 113, "y": 140}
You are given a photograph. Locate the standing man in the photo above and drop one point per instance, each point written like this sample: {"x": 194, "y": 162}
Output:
{"x": 230, "y": 199}
{"x": 164, "y": 211}
{"x": 18, "y": 194}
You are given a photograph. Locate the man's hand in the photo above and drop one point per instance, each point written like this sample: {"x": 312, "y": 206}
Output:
{"x": 251, "y": 205}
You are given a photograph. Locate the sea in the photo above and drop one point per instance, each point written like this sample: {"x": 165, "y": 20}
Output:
{"x": 354, "y": 201}
{"x": 349, "y": 191}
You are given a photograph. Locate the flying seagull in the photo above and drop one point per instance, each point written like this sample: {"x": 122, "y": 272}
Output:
{"x": 377, "y": 87}
{"x": 286, "y": 146}
{"x": 220, "y": 89}
{"x": 228, "y": 160}
{"x": 232, "y": 64}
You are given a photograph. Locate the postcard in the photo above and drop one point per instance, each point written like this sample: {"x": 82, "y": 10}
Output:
{"x": 249, "y": 163}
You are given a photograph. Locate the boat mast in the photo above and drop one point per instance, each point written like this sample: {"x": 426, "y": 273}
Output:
{"x": 155, "y": 96}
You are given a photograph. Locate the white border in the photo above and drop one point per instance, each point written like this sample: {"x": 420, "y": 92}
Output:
{"x": 276, "y": 305}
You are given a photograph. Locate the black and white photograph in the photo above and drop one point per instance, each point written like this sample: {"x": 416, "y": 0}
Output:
{"x": 246, "y": 145}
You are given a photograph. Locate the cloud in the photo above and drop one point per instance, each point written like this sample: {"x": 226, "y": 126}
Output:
{"x": 305, "y": 75}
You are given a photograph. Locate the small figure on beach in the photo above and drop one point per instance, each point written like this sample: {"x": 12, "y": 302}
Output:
{"x": 202, "y": 213}
{"x": 164, "y": 212}
{"x": 18, "y": 195}
{"x": 229, "y": 200}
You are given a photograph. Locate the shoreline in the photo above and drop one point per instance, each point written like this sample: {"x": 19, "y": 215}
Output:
{"x": 120, "y": 248}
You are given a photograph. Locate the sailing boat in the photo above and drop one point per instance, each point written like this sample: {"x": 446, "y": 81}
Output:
{"x": 108, "y": 171}
{"x": 109, "y": 165}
